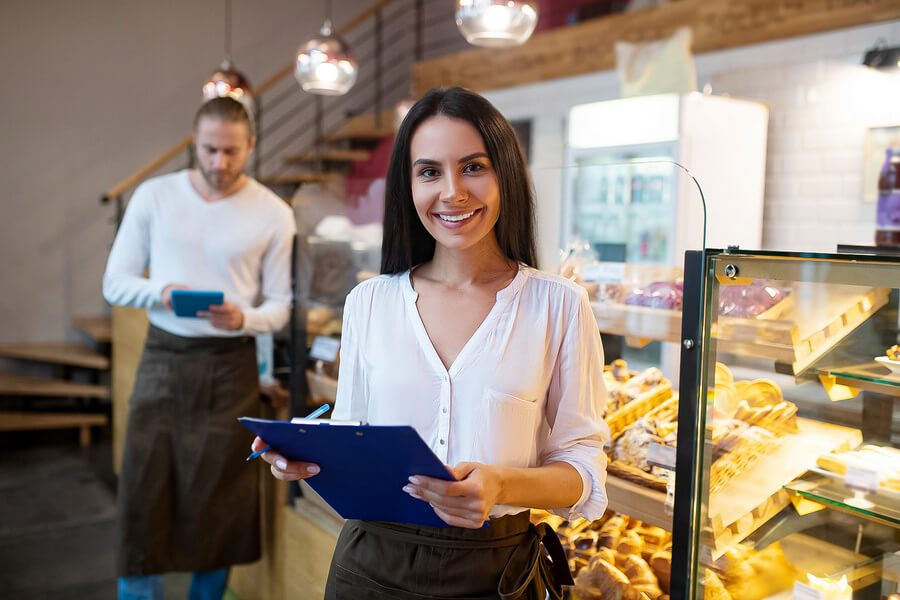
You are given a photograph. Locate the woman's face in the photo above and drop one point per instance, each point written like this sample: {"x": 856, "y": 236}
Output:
{"x": 454, "y": 186}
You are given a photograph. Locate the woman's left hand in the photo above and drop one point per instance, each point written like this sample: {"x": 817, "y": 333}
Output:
{"x": 466, "y": 502}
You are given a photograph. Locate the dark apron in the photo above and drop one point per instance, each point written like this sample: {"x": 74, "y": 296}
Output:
{"x": 508, "y": 560}
{"x": 187, "y": 499}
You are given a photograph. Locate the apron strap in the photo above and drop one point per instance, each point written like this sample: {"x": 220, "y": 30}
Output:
{"x": 545, "y": 571}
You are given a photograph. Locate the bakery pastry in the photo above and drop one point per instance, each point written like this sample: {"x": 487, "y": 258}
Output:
{"x": 713, "y": 588}
{"x": 893, "y": 352}
{"x": 661, "y": 563}
{"x": 611, "y": 532}
{"x": 603, "y": 580}
{"x": 630, "y": 543}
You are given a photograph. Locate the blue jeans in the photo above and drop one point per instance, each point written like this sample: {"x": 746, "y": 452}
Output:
{"x": 205, "y": 585}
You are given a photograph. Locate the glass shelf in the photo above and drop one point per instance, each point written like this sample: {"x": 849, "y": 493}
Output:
{"x": 871, "y": 377}
{"x": 882, "y": 506}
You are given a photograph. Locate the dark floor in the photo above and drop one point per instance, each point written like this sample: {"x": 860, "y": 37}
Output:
{"x": 57, "y": 513}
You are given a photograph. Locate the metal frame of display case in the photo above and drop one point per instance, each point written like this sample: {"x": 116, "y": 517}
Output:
{"x": 698, "y": 342}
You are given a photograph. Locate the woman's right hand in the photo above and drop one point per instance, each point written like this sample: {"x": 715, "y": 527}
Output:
{"x": 286, "y": 470}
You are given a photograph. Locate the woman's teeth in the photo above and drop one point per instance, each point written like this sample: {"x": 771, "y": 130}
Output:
{"x": 456, "y": 218}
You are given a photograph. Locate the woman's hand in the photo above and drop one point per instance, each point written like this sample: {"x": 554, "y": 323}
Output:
{"x": 286, "y": 470}
{"x": 464, "y": 503}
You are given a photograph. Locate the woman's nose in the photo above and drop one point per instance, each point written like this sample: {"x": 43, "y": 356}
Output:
{"x": 456, "y": 190}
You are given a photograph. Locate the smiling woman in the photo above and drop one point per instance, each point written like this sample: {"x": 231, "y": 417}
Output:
{"x": 495, "y": 364}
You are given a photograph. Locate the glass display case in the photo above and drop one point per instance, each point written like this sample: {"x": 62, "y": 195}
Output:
{"x": 788, "y": 478}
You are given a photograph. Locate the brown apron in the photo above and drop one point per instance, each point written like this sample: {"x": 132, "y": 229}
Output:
{"x": 512, "y": 560}
{"x": 187, "y": 499}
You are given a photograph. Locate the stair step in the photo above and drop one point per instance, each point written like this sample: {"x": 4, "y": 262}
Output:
{"x": 60, "y": 353}
{"x": 363, "y": 127}
{"x": 98, "y": 327}
{"x": 346, "y": 156}
{"x": 298, "y": 179}
{"x": 29, "y": 421}
{"x": 26, "y": 385}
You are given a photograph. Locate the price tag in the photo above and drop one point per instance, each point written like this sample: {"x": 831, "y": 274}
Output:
{"x": 803, "y": 591}
{"x": 661, "y": 456}
{"x": 860, "y": 478}
{"x": 604, "y": 272}
{"x": 325, "y": 348}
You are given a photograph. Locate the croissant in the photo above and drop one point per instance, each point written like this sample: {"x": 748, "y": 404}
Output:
{"x": 630, "y": 543}
{"x": 638, "y": 571}
{"x": 661, "y": 563}
{"x": 603, "y": 580}
{"x": 611, "y": 531}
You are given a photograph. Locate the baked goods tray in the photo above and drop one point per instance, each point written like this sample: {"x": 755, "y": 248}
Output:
{"x": 755, "y": 495}
{"x": 798, "y": 333}
{"x": 638, "y": 501}
{"x": 830, "y": 489}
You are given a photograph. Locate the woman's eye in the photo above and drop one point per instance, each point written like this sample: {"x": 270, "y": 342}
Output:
{"x": 428, "y": 173}
{"x": 473, "y": 168}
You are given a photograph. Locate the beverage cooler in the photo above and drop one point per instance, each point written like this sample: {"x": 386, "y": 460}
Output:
{"x": 632, "y": 192}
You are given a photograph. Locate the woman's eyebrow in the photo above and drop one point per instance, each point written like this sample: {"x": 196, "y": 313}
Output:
{"x": 468, "y": 157}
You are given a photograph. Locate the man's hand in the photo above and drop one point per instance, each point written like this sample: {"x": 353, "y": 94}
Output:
{"x": 224, "y": 316}
{"x": 464, "y": 503}
{"x": 166, "y": 297}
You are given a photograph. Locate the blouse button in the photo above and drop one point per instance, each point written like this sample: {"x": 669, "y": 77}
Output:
{"x": 444, "y": 410}
{"x": 442, "y": 442}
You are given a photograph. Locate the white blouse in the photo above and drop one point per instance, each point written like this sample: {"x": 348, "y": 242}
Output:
{"x": 526, "y": 389}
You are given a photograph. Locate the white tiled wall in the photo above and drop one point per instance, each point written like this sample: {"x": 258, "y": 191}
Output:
{"x": 821, "y": 103}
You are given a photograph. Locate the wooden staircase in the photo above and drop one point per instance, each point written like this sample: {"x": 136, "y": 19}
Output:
{"x": 335, "y": 153}
{"x": 65, "y": 358}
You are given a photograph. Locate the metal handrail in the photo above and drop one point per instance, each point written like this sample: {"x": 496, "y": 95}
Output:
{"x": 151, "y": 167}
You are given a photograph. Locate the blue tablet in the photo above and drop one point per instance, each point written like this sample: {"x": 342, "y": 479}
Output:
{"x": 187, "y": 303}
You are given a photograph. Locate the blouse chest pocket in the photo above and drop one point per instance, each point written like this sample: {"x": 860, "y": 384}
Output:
{"x": 507, "y": 430}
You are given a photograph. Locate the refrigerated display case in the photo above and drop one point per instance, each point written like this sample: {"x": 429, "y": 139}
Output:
{"x": 787, "y": 474}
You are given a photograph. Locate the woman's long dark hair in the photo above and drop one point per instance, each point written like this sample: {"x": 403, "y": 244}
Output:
{"x": 406, "y": 242}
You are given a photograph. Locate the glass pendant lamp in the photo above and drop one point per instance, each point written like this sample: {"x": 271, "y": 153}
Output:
{"x": 226, "y": 80}
{"x": 496, "y": 23}
{"x": 325, "y": 65}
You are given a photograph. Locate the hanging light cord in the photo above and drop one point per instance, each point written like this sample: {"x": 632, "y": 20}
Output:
{"x": 228, "y": 30}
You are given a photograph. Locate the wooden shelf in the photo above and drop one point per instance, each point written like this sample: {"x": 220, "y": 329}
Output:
{"x": 364, "y": 128}
{"x": 26, "y": 421}
{"x": 298, "y": 179}
{"x": 24, "y": 385}
{"x": 99, "y": 328}
{"x": 60, "y": 353}
{"x": 344, "y": 156}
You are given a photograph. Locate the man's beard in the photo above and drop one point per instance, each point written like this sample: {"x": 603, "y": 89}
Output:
{"x": 220, "y": 180}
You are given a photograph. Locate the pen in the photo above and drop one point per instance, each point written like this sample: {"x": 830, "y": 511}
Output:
{"x": 313, "y": 415}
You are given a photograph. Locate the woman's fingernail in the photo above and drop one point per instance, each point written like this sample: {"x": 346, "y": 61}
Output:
{"x": 312, "y": 469}
{"x": 409, "y": 489}
{"x": 415, "y": 480}
{"x": 281, "y": 464}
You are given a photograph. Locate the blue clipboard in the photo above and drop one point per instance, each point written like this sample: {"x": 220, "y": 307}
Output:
{"x": 364, "y": 467}
{"x": 187, "y": 303}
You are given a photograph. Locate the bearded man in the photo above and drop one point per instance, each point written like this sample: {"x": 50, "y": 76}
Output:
{"x": 187, "y": 501}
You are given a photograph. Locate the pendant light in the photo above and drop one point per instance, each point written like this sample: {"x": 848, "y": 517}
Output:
{"x": 325, "y": 65}
{"x": 496, "y": 23}
{"x": 226, "y": 80}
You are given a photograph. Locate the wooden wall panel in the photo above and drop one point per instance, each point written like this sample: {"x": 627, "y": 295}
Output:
{"x": 588, "y": 47}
